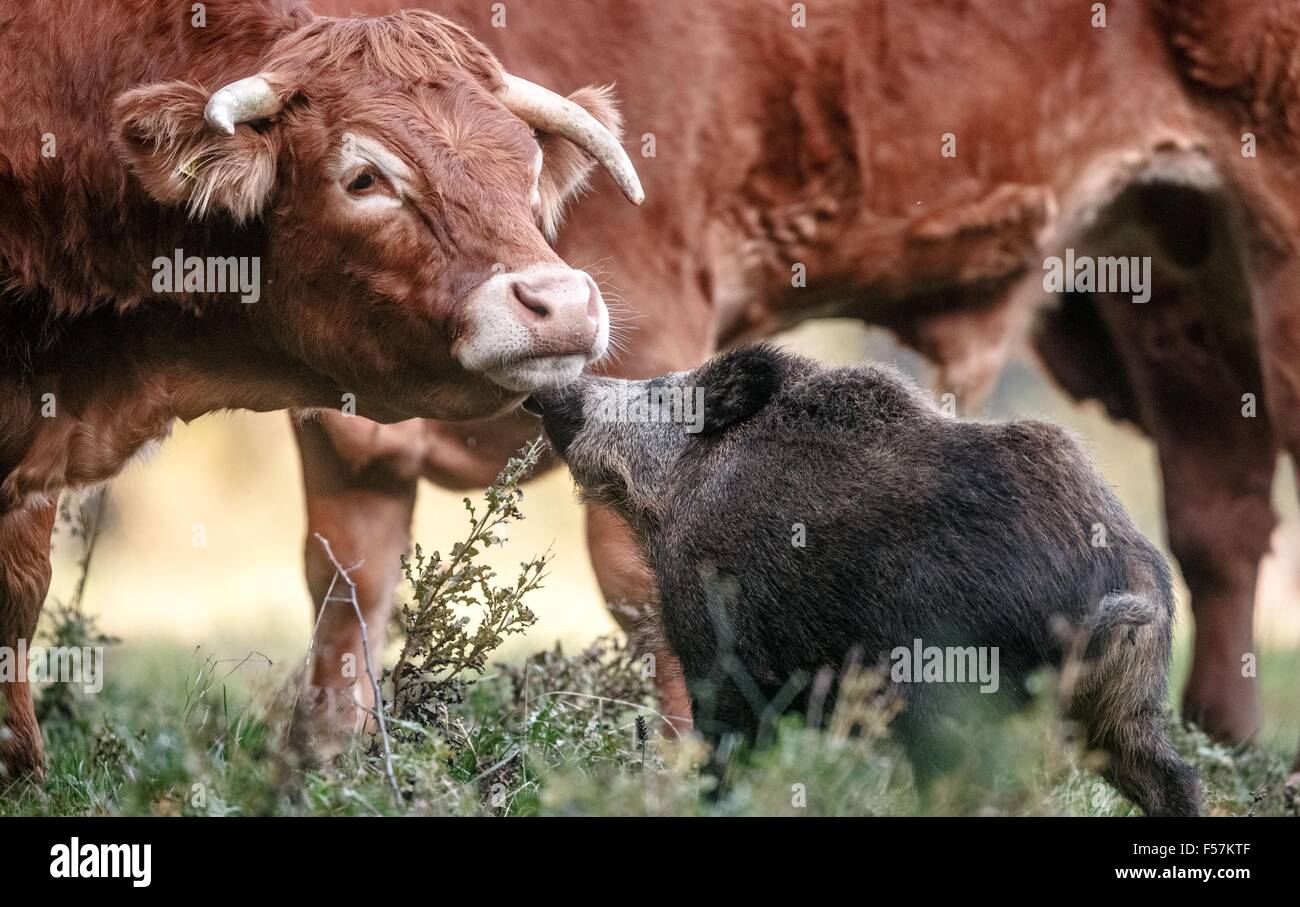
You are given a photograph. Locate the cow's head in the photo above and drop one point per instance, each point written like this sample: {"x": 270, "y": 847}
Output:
{"x": 405, "y": 187}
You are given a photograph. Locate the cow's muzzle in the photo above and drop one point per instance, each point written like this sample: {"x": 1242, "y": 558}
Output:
{"x": 562, "y": 310}
{"x": 534, "y": 329}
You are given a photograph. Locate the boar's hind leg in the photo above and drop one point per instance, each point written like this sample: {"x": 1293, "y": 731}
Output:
{"x": 1120, "y": 700}
{"x": 1143, "y": 766}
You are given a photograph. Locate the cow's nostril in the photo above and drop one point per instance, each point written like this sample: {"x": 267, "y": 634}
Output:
{"x": 530, "y": 300}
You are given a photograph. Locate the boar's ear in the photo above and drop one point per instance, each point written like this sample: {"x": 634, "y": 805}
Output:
{"x": 180, "y": 159}
{"x": 738, "y": 384}
{"x": 566, "y": 168}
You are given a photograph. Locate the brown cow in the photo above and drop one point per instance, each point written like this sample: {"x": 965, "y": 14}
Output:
{"x": 783, "y": 148}
{"x": 378, "y": 187}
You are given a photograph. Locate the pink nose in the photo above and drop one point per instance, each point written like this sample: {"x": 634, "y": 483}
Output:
{"x": 561, "y": 309}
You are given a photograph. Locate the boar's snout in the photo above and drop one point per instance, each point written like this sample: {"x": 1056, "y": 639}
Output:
{"x": 561, "y": 410}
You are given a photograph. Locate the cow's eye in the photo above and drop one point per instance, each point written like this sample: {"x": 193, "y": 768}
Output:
{"x": 363, "y": 183}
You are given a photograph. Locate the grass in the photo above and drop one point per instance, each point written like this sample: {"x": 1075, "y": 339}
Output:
{"x": 185, "y": 733}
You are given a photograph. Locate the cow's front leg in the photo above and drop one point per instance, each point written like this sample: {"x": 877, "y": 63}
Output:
{"x": 24, "y": 581}
{"x": 630, "y": 594}
{"x": 365, "y": 514}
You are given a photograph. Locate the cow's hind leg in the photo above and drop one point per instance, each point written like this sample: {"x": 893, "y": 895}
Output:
{"x": 1218, "y": 470}
{"x": 24, "y": 581}
{"x": 1196, "y": 393}
{"x": 1277, "y": 314}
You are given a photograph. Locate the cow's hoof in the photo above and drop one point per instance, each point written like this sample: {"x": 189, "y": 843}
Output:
{"x": 1225, "y": 716}
{"x": 1291, "y": 794}
{"x": 325, "y": 722}
{"x": 19, "y": 763}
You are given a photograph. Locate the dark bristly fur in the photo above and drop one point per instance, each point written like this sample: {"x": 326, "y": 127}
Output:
{"x": 918, "y": 526}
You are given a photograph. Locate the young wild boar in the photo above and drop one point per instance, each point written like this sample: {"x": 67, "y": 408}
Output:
{"x": 798, "y": 518}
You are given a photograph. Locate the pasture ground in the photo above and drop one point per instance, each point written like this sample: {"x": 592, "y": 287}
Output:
{"x": 184, "y": 732}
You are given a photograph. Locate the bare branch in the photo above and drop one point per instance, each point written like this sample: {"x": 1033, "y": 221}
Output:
{"x": 345, "y": 573}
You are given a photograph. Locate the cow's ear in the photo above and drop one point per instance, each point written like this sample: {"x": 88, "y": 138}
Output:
{"x": 180, "y": 160}
{"x": 738, "y": 384}
{"x": 565, "y": 167}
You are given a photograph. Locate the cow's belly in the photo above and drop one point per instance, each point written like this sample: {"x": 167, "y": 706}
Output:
{"x": 455, "y": 455}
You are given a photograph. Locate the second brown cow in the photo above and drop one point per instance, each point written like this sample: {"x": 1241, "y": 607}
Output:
{"x": 915, "y": 166}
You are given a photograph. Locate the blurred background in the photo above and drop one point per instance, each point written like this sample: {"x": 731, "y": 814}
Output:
{"x": 202, "y": 540}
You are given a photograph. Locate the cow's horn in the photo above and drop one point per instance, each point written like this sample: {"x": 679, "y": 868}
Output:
{"x": 544, "y": 109}
{"x": 239, "y": 102}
